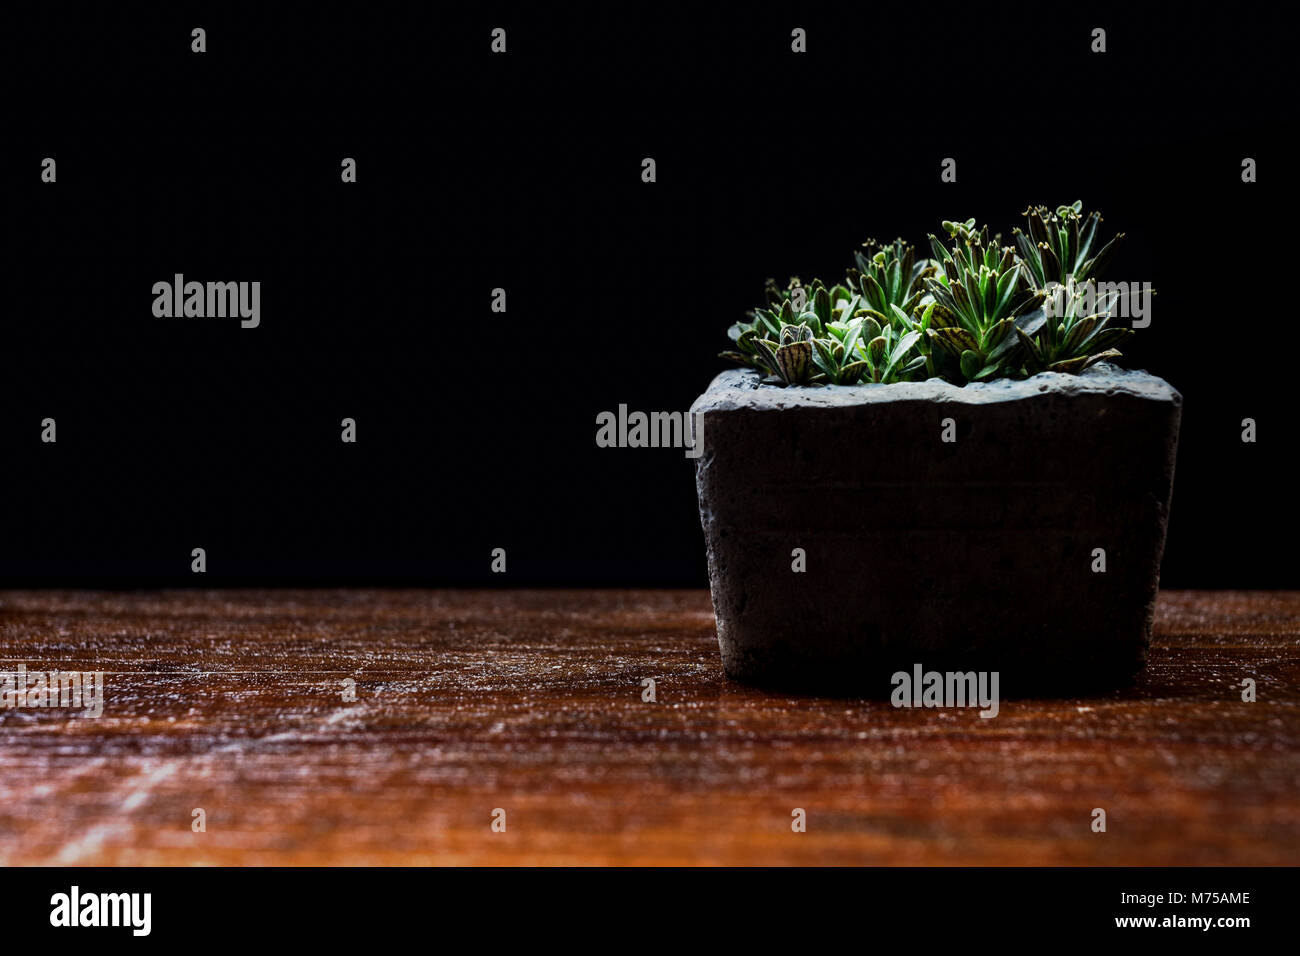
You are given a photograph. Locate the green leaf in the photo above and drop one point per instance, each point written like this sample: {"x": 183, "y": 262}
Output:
{"x": 876, "y": 350}
{"x": 955, "y": 340}
{"x": 765, "y": 349}
{"x": 940, "y": 252}
{"x": 873, "y": 293}
{"x": 1109, "y": 337}
{"x": 796, "y": 333}
{"x": 1080, "y": 332}
{"x": 1097, "y": 264}
{"x": 854, "y": 302}
{"x": 925, "y": 317}
{"x": 996, "y": 333}
{"x": 793, "y": 361}
{"x": 902, "y": 348}
{"x": 1073, "y": 366}
{"x": 1007, "y": 286}
{"x": 1102, "y": 356}
{"x": 826, "y": 352}
{"x": 850, "y": 373}
{"x": 770, "y": 321}
{"x": 1031, "y": 322}
{"x": 1002, "y": 341}
{"x": 854, "y": 333}
{"x": 1036, "y": 356}
{"x": 821, "y": 305}
{"x": 1086, "y": 237}
{"x": 943, "y": 318}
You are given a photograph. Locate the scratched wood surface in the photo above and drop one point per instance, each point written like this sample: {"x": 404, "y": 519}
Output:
{"x": 531, "y": 701}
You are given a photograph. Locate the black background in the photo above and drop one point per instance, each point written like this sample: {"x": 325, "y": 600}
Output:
{"x": 476, "y": 430}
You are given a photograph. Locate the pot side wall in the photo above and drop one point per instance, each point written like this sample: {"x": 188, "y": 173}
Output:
{"x": 975, "y": 554}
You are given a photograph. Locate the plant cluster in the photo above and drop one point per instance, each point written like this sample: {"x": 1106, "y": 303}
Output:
{"x": 978, "y": 310}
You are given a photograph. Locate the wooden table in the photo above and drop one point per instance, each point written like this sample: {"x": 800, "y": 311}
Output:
{"x": 531, "y": 702}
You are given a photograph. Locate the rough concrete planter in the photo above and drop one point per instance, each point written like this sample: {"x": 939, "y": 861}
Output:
{"x": 975, "y": 554}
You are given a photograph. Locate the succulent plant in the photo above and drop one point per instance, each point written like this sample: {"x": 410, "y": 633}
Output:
{"x": 892, "y": 356}
{"x": 1060, "y": 245}
{"x": 981, "y": 299}
{"x": 888, "y": 274}
{"x": 792, "y": 293}
{"x": 841, "y": 357}
{"x": 1073, "y": 337}
{"x": 766, "y": 325}
{"x": 919, "y": 321}
{"x": 878, "y": 353}
{"x": 790, "y": 357}
{"x": 972, "y": 313}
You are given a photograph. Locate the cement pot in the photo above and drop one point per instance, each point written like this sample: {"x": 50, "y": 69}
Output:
{"x": 975, "y": 553}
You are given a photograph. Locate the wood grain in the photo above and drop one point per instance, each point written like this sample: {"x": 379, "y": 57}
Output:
{"x": 530, "y": 701}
